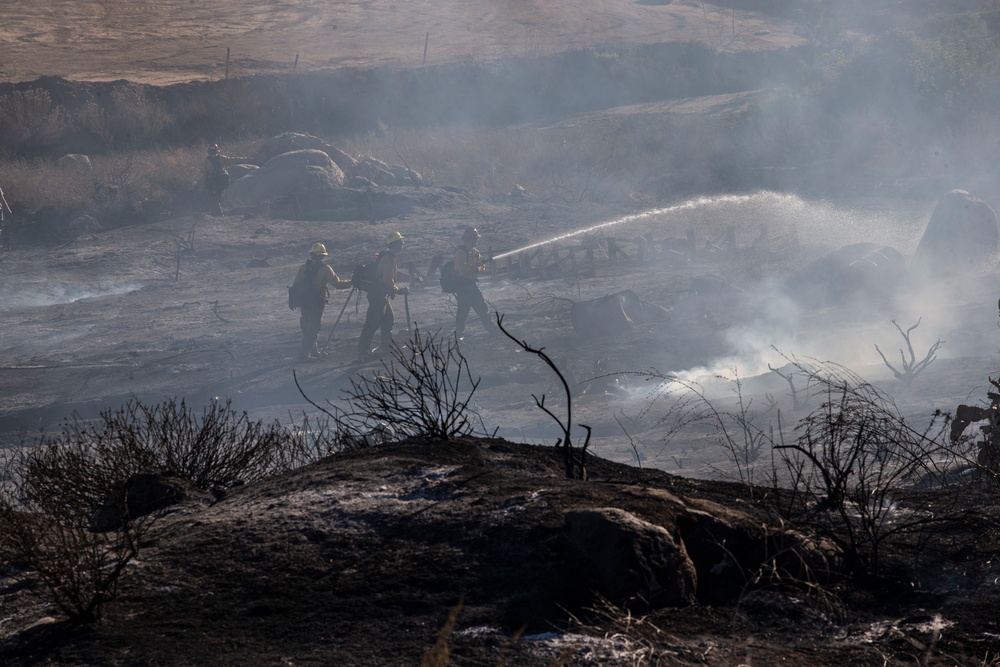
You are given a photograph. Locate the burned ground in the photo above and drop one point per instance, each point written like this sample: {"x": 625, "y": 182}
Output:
{"x": 359, "y": 559}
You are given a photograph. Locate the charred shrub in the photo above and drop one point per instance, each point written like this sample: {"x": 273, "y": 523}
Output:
{"x": 46, "y": 527}
{"x": 78, "y": 567}
{"x": 423, "y": 390}
{"x": 218, "y": 448}
{"x": 854, "y": 470}
{"x": 68, "y": 503}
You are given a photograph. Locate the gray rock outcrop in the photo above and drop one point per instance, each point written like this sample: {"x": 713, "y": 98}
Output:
{"x": 614, "y": 314}
{"x": 634, "y": 559}
{"x": 287, "y": 174}
{"x": 136, "y": 497}
{"x": 74, "y": 161}
{"x": 961, "y": 236}
{"x": 287, "y": 142}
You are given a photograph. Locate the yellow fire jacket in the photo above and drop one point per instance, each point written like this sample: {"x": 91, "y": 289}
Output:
{"x": 325, "y": 278}
{"x": 468, "y": 263}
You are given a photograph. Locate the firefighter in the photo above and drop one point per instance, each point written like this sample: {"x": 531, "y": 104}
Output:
{"x": 311, "y": 289}
{"x": 379, "y": 315}
{"x": 216, "y": 176}
{"x": 468, "y": 265}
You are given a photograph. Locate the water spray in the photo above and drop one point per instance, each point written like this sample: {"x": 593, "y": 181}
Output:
{"x": 685, "y": 206}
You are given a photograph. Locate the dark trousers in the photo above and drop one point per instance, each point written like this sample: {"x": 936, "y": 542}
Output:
{"x": 218, "y": 181}
{"x": 310, "y": 319}
{"x": 470, "y": 298}
{"x": 379, "y": 316}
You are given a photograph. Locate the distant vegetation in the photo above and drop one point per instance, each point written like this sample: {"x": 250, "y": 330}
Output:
{"x": 844, "y": 114}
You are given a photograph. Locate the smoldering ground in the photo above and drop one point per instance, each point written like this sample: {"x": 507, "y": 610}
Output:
{"x": 754, "y": 324}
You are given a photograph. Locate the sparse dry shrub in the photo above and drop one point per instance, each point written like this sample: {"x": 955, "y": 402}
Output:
{"x": 132, "y": 119}
{"x": 843, "y": 472}
{"x": 909, "y": 367}
{"x": 310, "y": 440}
{"x": 132, "y": 176}
{"x": 170, "y": 172}
{"x": 137, "y": 118}
{"x": 30, "y": 185}
{"x": 852, "y": 461}
{"x": 116, "y": 178}
{"x": 745, "y": 432}
{"x": 218, "y": 448}
{"x": 222, "y": 447}
{"x": 424, "y": 390}
{"x": 30, "y": 124}
{"x": 47, "y": 504}
{"x": 79, "y": 567}
{"x": 92, "y": 120}
{"x": 53, "y": 489}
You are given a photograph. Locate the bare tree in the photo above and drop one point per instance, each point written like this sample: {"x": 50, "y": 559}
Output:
{"x": 911, "y": 368}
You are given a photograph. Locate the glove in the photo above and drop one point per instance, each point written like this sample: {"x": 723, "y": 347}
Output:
{"x": 404, "y": 290}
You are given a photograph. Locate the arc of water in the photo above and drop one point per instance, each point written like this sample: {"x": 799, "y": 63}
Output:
{"x": 698, "y": 202}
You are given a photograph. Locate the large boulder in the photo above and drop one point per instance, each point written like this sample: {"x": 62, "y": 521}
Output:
{"x": 614, "y": 314}
{"x": 75, "y": 161}
{"x": 372, "y": 170}
{"x": 287, "y": 142}
{"x": 853, "y": 273}
{"x": 670, "y": 551}
{"x": 136, "y": 497}
{"x": 961, "y": 236}
{"x": 238, "y": 171}
{"x": 82, "y": 224}
{"x": 287, "y": 174}
{"x": 634, "y": 560}
{"x": 376, "y": 171}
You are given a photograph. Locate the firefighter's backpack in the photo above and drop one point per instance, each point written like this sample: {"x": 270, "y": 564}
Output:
{"x": 298, "y": 293}
{"x": 364, "y": 278}
{"x": 449, "y": 278}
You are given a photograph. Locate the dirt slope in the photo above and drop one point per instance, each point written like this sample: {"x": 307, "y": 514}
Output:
{"x": 179, "y": 40}
{"x": 358, "y": 561}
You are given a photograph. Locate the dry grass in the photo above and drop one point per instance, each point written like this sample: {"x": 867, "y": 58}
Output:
{"x": 35, "y": 185}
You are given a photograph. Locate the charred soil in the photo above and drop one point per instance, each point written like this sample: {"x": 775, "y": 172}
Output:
{"x": 361, "y": 558}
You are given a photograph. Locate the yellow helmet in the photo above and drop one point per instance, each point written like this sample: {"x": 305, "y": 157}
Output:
{"x": 318, "y": 249}
{"x": 393, "y": 237}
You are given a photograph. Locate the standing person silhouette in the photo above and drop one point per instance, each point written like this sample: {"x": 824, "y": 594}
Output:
{"x": 379, "y": 316}
{"x": 468, "y": 265}
{"x": 216, "y": 175}
{"x": 312, "y": 285}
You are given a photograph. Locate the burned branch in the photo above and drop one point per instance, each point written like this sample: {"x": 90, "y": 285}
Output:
{"x": 574, "y": 459}
{"x": 798, "y": 401}
{"x": 911, "y": 368}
